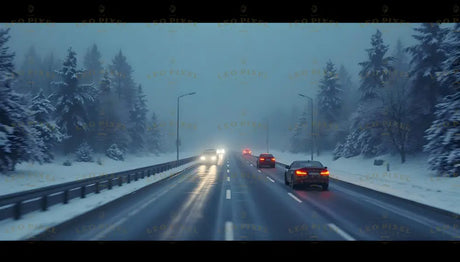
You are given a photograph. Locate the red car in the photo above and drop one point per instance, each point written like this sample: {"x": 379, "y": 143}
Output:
{"x": 247, "y": 151}
{"x": 307, "y": 173}
{"x": 266, "y": 160}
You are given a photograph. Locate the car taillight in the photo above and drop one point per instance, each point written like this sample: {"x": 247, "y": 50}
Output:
{"x": 261, "y": 159}
{"x": 273, "y": 159}
{"x": 301, "y": 172}
{"x": 325, "y": 172}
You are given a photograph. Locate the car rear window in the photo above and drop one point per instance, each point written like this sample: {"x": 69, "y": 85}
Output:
{"x": 210, "y": 151}
{"x": 299, "y": 164}
{"x": 266, "y": 155}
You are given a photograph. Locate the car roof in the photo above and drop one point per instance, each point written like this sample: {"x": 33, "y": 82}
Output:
{"x": 307, "y": 163}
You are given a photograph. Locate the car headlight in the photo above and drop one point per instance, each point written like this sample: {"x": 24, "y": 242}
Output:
{"x": 213, "y": 158}
{"x": 202, "y": 158}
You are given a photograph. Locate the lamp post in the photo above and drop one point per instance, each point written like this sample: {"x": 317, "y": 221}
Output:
{"x": 311, "y": 102}
{"x": 177, "y": 125}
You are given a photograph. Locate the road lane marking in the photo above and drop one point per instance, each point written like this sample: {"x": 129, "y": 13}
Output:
{"x": 228, "y": 170}
{"x": 270, "y": 179}
{"x": 295, "y": 198}
{"x": 341, "y": 232}
{"x": 251, "y": 164}
{"x": 228, "y": 165}
{"x": 228, "y": 231}
{"x": 228, "y": 194}
{"x": 228, "y": 179}
{"x": 109, "y": 229}
{"x": 258, "y": 170}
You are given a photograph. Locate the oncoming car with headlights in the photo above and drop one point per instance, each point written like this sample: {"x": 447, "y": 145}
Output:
{"x": 209, "y": 156}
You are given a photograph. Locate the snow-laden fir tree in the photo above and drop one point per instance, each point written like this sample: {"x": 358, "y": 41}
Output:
{"x": 366, "y": 122}
{"x": 84, "y": 153}
{"x": 329, "y": 106}
{"x": 19, "y": 141}
{"x": 138, "y": 122}
{"x": 71, "y": 99}
{"x": 122, "y": 81}
{"x": 115, "y": 153}
{"x": 49, "y": 67}
{"x": 93, "y": 65}
{"x": 31, "y": 75}
{"x": 427, "y": 56}
{"x": 443, "y": 136}
{"x": 153, "y": 135}
{"x": 47, "y": 130}
{"x": 397, "y": 120}
{"x": 300, "y": 135}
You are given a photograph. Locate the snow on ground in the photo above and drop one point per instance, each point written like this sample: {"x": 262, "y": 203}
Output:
{"x": 29, "y": 176}
{"x": 412, "y": 180}
{"x": 36, "y": 222}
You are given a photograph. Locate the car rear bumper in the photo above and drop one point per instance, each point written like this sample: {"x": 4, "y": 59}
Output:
{"x": 312, "y": 180}
{"x": 267, "y": 164}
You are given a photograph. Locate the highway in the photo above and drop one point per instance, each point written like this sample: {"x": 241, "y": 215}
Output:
{"x": 236, "y": 201}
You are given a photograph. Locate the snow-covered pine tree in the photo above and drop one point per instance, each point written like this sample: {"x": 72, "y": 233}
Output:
{"x": 115, "y": 153}
{"x": 93, "y": 65}
{"x": 49, "y": 67}
{"x": 47, "y": 130}
{"x": 18, "y": 140}
{"x": 396, "y": 121}
{"x": 329, "y": 106}
{"x": 444, "y": 134}
{"x": 138, "y": 122}
{"x": 71, "y": 98}
{"x": 122, "y": 81}
{"x": 84, "y": 153}
{"x": 426, "y": 61}
{"x": 153, "y": 135}
{"x": 365, "y": 131}
{"x": 30, "y": 80}
{"x": 300, "y": 136}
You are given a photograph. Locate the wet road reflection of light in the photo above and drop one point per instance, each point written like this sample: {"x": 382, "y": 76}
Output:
{"x": 192, "y": 209}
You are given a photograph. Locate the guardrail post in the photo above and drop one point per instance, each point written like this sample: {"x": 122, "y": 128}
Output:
{"x": 120, "y": 180}
{"x": 17, "y": 210}
{"x": 109, "y": 183}
{"x": 135, "y": 176}
{"x": 83, "y": 191}
{"x": 97, "y": 187}
{"x": 129, "y": 178}
{"x": 66, "y": 196}
{"x": 44, "y": 203}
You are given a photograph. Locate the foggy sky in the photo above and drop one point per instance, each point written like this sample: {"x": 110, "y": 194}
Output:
{"x": 197, "y": 57}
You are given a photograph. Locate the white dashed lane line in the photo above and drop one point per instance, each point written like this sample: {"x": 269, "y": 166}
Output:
{"x": 259, "y": 171}
{"x": 341, "y": 232}
{"x": 228, "y": 179}
{"x": 294, "y": 197}
{"x": 228, "y": 231}
{"x": 270, "y": 179}
{"x": 228, "y": 194}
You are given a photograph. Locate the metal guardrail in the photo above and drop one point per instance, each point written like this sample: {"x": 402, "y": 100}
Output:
{"x": 16, "y": 204}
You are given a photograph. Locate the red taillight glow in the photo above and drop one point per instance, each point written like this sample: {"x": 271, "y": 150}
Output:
{"x": 301, "y": 172}
{"x": 325, "y": 173}
{"x": 273, "y": 159}
{"x": 261, "y": 159}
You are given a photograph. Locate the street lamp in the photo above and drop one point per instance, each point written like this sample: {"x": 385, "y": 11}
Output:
{"x": 311, "y": 102}
{"x": 177, "y": 125}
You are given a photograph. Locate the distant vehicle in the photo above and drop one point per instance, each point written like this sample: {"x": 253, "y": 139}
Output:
{"x": 307, "y": 173}
{"x": 266, "y": 160}
{"x": 247, "y": 151}
{"x": 209, "y": 156}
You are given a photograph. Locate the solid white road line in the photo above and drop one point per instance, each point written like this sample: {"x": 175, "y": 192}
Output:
{"x": 103, "y": 233}
{"x": 270, "y": 179}
{"x": 228, "y": 194}
{"x": 295, "y": 198}
{"x": 341, "y": 232}
{"x": 228, "y": 231}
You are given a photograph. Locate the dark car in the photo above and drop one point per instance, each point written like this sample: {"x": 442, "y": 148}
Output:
{"x": 209, "y": 156}
{"x": 306, "y": 173}
{"x": 266, "y": 160}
